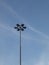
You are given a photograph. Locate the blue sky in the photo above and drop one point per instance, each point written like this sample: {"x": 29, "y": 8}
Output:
{"x": 35, "y": 39}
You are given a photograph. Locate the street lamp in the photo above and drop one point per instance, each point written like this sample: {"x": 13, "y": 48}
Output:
{"x": 20, "y": 28}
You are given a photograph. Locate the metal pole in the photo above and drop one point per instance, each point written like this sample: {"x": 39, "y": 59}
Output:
{"x": 20, "y": 47}
{"x": 20, "y": 28}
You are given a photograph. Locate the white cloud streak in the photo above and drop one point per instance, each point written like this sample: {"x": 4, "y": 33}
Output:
{"x": 31, "y": 28}
{"x": 8, "y": 28}
{"x": 46, "y": 38}
{"x": 13, "y": 13}
{"x": 34, "y": 30}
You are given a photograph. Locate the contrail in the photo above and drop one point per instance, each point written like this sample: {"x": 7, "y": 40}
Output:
{"x": 34, "y": 30}
{"x": 7, "y": 28}
{"x": 37, "y": 31}
{"x": 13, "y": 13}
{"x": 31, "y": 28}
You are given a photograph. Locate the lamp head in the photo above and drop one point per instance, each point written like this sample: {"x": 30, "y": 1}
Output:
{"x": 20, "y": 27}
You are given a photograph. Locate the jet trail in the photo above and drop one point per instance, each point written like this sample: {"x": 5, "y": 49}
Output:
{"x": 37, "y": 31}
{"x": 31, "y": 28}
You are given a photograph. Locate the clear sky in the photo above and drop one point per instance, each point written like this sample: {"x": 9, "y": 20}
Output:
{"x": 35, "y": 39}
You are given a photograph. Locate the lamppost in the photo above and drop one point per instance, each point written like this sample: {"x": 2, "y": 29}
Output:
{"x": 20, "y": 28}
